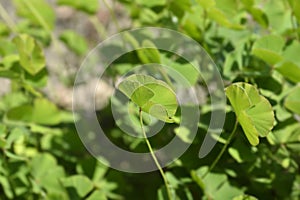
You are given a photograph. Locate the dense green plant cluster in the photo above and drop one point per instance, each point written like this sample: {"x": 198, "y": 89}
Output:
{"x": 254, "y": 43}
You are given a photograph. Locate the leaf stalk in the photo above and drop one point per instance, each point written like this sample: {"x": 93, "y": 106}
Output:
{"x": 155, "y": 158}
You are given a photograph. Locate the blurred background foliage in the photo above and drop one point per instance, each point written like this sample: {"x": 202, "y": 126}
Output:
{"x": 42, "y": 44}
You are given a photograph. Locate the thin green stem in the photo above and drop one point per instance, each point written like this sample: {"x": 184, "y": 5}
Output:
{"x": 42, "y": 22}
{"x": 294, "y": 22}
{"x": 114, "y": 19}
{"x": 166, "y": 77}
{"x": 154, "y": 157}
{"x": 37, "y": 16}
{"x": 295, "y": 27}
{"x": 5, "y": 16}
{"x": 204, "y": 24}
{"x": 112, "y": 13}
{"x": 222, "y": 150}
{"x": 99, "y": 27}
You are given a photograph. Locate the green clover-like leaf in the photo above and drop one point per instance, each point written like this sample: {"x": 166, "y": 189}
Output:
{"x": 253, "y": 111}
{"x": 31, "y": 54}
{"x": 153, "y": 96}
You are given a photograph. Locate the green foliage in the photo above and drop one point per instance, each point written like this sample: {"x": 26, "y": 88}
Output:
{"x": 78, "y": 185}
{"x": 148, "y": 53}
{"x": 31, "y": 55}
{"x": 292, "y": 101}
{"x": 269, "y": 49}
{"x": 91, "y": 7}
{"x": 255, "y": 45}
{"x": 39, "y": 12}
{"x": 151, "y": 96}
{"x": 41, "y": 112}
{"x": 46, "y": 173}
{"x": 254, "y": 112}
{"x": 74, "y": 41}
{"x": 216, "y": 185}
